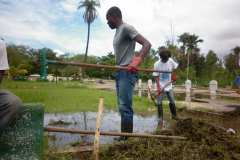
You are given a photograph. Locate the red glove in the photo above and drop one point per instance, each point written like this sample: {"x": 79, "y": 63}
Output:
{"x": 133, "y": 66}
{"x": 174, "y": 77}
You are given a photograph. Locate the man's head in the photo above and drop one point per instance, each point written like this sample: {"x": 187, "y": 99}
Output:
{"x": 164, "y": 54}
{"x": 114, "y": 17}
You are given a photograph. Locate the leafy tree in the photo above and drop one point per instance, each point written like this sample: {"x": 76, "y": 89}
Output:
{"x": 148, "y": 62}
{"x": 211, "y": 58}
{"x": 105, "y": 60}
{"x": 90, "y": 14}
{"x": 19, "y": 72}
{"x": 22, "y": 55}
{"x": 17, "y": 55}
{"x": 199, "y": 64}
{"x": 236, "y": 51}
{"x": 211, "y": 65}
{"x": 231, "y": 64}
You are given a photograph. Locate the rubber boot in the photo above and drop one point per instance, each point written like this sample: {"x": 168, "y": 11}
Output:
{"x": 160, "y": 111}
{"x": 127, "y": 128}
{"x": 173, "y": 110}
{"x": 160, "y": 116}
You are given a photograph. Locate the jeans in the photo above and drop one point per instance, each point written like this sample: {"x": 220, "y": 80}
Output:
{"x": 125, "y": 82}
{"x": 169, "y": 95}
{"x": 171, "y": 104}
{"x": 9, "y": 107}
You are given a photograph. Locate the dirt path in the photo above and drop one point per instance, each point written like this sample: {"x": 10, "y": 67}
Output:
{"x": 214, "y": 106}
{"x": 221, "y": 104}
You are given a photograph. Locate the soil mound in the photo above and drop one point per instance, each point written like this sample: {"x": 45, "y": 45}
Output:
{"x": 205, "y": 142}
{"x": 233, "y": 114}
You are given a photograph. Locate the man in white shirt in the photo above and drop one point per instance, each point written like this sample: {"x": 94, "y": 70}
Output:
{"x": 164, "y": 81}
{"x": 9, "y": 103}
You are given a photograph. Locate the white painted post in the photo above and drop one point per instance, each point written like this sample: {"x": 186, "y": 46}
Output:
{"x": 149, "y": 84}
{"x": 213, "y": 86}
{"x": 140, "y": 88}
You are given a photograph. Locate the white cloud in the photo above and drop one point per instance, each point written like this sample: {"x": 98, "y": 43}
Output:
{"x": 208, "y": 19}
{"x": 59, "y": 52}
{"x": 69, "y": 5}
{"x": 58, "y": 24}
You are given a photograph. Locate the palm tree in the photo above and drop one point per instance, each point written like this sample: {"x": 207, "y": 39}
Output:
{"x": 90, "y": 14}
{"x": 189, "y": 44}
{"x": 189, "y": 41}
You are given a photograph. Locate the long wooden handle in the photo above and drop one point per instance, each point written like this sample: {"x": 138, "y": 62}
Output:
{"x": 151, "y": 96}
{"x": 87, "y": 65}
{"x": 75, "y": 131}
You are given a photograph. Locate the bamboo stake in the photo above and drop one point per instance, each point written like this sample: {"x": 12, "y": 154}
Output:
{"x": 97, "y": 131}
{"x": 103, "y": 66}
{"x": 75, "y": 131}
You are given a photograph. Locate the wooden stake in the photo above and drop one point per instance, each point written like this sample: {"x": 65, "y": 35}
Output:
{"x": 97, "y": 131}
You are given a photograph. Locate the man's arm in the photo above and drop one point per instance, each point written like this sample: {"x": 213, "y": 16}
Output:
{"x": 137, "y": 60}
{"x": 146, "y": 45}
{"x": 158, "y": 85}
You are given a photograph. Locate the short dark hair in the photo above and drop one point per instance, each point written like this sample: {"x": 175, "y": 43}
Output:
{"x": 164, "y": 54}
{"x": 115, "y": 12}
{"x": 161, "y": 48}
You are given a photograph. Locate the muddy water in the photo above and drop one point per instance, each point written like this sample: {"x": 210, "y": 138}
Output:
{"x": 110, "y": 122}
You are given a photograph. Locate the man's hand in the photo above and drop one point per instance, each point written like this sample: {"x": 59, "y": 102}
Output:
{"x": 133, "y": 66}
{"x": 174, "y": 77}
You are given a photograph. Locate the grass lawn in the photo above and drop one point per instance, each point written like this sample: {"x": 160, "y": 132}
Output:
{"x": 68, "y": 96}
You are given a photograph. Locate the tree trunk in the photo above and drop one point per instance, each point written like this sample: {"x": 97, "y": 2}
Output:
{"x": 88, "y": 35}
{"x": 189, "y": 51}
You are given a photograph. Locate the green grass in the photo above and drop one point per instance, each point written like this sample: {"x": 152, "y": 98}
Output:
{"x": 68, "y": 96}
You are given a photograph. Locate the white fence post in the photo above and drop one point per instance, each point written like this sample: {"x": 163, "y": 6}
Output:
{"x": 213, "y": 86}
{"x": 188, "y": 86}
{"x": 149, "y": 84}
{"x": 140, "y": 88}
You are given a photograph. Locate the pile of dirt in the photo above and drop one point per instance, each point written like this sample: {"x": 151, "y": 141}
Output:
{"x": 204, "y": 142}
{"x": 233, "y": 114}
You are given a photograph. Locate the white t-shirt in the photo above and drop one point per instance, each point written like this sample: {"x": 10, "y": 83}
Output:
{"x": 164, "y": 78}
{"x": 3, "y": 56}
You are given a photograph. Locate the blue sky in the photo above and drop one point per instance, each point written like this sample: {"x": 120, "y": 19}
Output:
{"x": 57, "y": 24}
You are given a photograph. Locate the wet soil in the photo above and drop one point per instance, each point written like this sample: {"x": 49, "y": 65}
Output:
{"x": 208, "y": 138}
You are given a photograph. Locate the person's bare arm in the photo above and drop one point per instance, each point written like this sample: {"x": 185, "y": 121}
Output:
{"x": 158, "y": 85}
{"x": 137, "y": 60}
{"x": 146, "y": 45}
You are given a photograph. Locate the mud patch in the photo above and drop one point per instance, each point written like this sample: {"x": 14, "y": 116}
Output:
{"x": 110, "y": 122}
